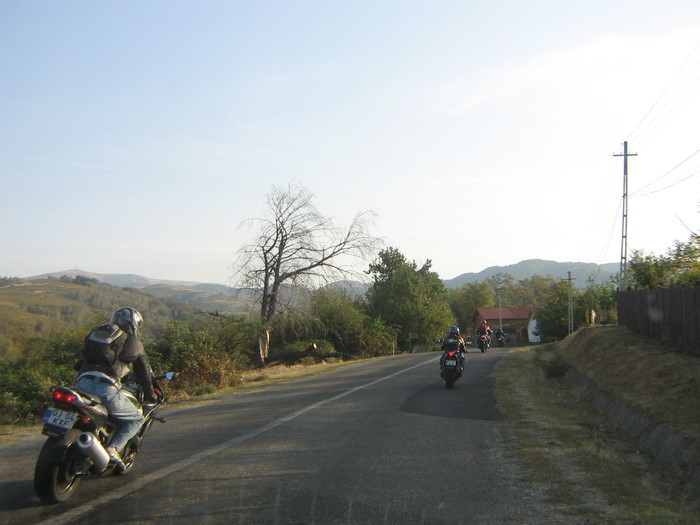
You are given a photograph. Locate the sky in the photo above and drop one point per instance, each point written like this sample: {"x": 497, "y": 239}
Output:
{"x": 138, "y": 137}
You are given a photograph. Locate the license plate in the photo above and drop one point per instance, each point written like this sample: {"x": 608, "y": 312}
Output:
{"x": 59, "y": 418}
{"x": 450, "y": 362}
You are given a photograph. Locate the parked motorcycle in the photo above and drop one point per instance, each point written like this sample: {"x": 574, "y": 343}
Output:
{"x": 79, "y": 429}
{"x": 483, "y": 342}
{"x": 451, "y": 368}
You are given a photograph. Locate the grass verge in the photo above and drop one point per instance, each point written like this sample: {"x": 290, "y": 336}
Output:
{"x": 592, "y": 470}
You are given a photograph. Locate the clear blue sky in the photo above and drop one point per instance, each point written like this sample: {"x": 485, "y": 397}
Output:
{"x": 137, "y": 136}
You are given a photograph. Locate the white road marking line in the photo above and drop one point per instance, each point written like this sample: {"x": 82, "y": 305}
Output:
{"x": 148, "y": 479}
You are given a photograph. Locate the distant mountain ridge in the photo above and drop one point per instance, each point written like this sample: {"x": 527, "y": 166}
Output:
{"x": 226, "y": 299}
{"x": 580, "y": 271}
{"x": 204, "y": 296}
{"x": 124, "y": 280}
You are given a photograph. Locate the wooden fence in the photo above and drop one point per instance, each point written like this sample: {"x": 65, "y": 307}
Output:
{"x": 671, "y": 315}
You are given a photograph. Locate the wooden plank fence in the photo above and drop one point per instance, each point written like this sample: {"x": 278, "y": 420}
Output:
{"x": 671, "y": 315}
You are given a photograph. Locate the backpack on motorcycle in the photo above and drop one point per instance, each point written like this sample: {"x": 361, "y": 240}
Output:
{"x": 103, "y": 344}
{"x": 450, "y": 344}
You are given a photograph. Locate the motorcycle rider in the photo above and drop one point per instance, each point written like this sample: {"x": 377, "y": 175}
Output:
{"x": 484, "y": 330}
{"x": 453, "y": 341}
{"x": 500, "y": 336}
{"x": 108, "y": 351}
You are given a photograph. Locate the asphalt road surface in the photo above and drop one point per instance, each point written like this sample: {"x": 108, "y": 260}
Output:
{"x": 378, "y": 441}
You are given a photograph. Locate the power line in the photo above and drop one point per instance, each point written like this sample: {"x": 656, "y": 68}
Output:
{"x": 668, "y": 86}
{"x": 651, "y": 192}
{"x": 610, "y": 234}
{"x": 675, "y": 109}
{"x": 668, "y": 172}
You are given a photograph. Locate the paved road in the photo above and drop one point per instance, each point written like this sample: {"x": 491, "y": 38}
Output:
{"x": 380, "y": 441}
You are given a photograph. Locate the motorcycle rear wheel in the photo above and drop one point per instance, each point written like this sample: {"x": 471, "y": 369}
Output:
{"x": 54, "y": 482}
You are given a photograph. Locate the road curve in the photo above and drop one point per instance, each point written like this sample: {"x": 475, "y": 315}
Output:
{"x": 378, "y": 441}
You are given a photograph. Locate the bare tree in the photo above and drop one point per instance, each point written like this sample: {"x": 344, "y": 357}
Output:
{"x": 296, "y": 245}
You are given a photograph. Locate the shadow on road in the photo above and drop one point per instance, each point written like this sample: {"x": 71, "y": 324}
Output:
{"x": 471, "y": 397}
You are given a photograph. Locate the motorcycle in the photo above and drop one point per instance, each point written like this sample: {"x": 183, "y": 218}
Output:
{"x": 79, "y": 429}
{"x": 501, "y": 339}
{"x": 483, "y": 342}
{"x": 451, "y": 369}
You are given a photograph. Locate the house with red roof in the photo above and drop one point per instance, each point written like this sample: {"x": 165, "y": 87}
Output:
{"x": 518, "y": 322}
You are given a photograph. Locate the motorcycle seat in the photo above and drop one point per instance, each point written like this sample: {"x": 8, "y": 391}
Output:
{"x": 89, "y": 395}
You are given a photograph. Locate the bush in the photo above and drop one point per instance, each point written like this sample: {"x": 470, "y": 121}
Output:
{"x": 205, "y": 354}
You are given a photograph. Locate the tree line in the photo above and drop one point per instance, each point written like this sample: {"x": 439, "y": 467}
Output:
{"x": 405, "y": 308}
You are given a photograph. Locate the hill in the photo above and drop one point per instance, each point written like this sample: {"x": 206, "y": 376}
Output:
{"x": 124, "y": 280}
{"x": 204, "y": 296}
{"x": 31, "y": 307}
{"x": 526, "y": 269}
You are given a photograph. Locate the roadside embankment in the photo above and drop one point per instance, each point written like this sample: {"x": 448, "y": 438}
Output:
{"x": 652, "y": 391}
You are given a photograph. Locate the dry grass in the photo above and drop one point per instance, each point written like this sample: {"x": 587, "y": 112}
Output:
{"x": 254, "y": 379}
{"x": 593, "y": 470}
{"x": 640, "y": 371}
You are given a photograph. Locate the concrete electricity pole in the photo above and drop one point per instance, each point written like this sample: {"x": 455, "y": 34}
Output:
{"x": 623, "y": 248}
{"x": 571, "y": 302}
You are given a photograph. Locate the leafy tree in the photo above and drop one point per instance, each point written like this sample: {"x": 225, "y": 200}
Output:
{"x": 413, "y": 301}
{"x": 553, "y": 315}
{"x": 534, "y": 291}
{"x": 343, "y": 322}
{"x": 648, "y": 271}
{"x": 679, "y": 267}
{"x": 685, "y": 263}
{"x": 598, "y": 298}
{"x": 348, "y": 327}
{"x": 465, "y": 300}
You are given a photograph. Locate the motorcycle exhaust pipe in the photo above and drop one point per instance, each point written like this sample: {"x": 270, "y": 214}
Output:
{"x": 94, "y": 450}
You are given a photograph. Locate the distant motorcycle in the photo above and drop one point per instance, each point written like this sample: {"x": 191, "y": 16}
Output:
{"x": 483, "y": 342}
{"x": 79, "y": 428}
{"x": 451, "y": 368}
{"x": 501, "y": 339}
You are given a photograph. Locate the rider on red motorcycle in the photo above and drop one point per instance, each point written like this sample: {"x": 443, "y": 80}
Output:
{"x": 484, "y": 330}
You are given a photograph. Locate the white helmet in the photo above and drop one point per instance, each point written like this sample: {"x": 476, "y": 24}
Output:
{"x": 128, "y": 319}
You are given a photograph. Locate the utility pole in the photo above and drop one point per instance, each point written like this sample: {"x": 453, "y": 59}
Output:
{"x": 571, "y": 302}
{"x": 500, "y": 309}
{"x": 623, "y": 248}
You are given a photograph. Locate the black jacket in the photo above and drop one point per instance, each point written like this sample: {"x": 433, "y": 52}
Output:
{"x": 132, "y": 353}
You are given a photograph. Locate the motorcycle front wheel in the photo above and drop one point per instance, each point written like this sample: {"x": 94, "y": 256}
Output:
{"x": 55, "y": 478}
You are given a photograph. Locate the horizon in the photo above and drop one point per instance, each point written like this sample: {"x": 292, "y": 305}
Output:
{"x": 79, "y": 271}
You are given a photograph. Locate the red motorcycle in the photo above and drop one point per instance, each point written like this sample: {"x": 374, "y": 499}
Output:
{"x": 484, "y": 342}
